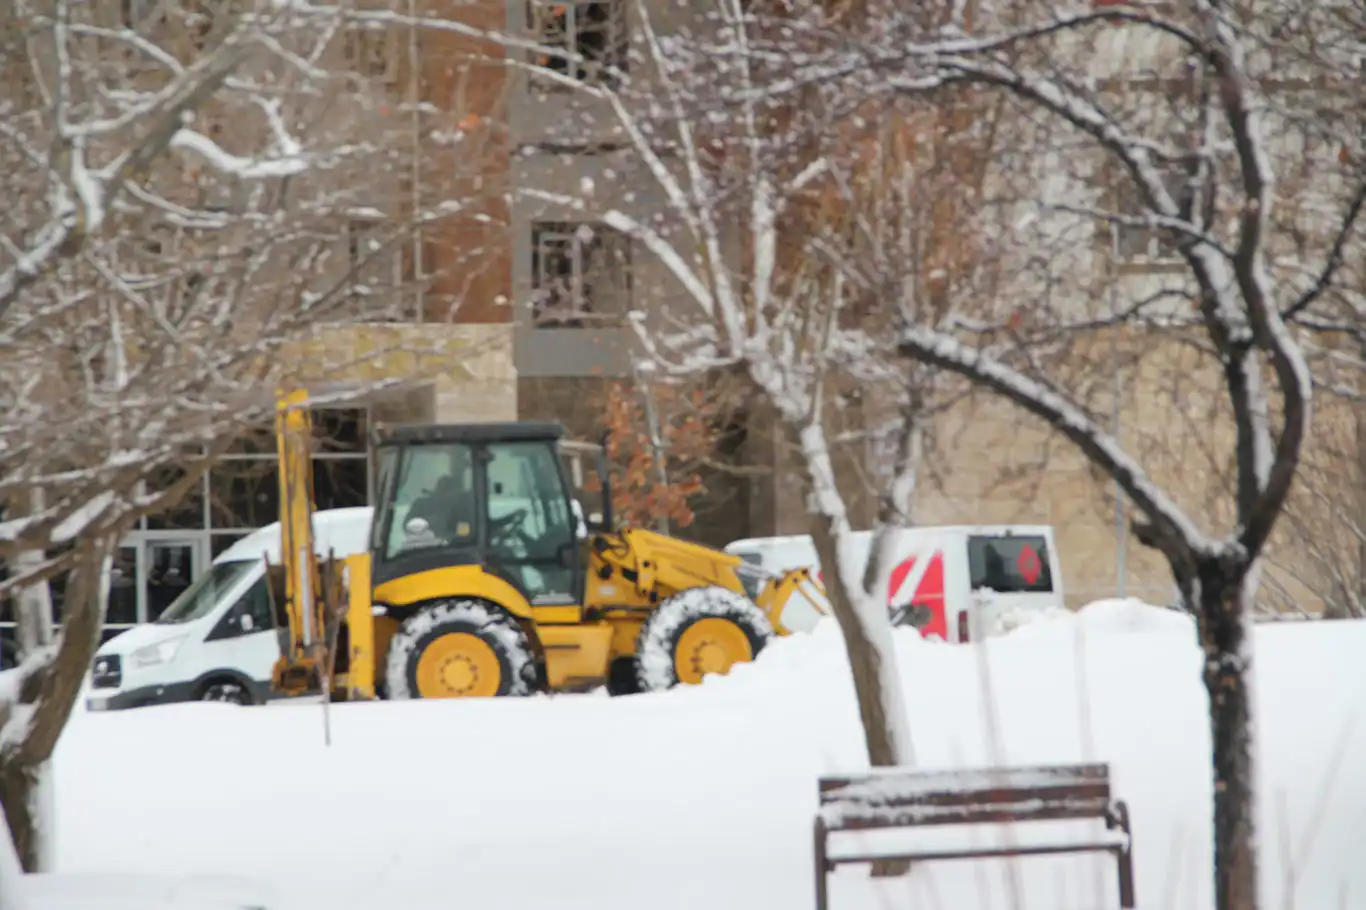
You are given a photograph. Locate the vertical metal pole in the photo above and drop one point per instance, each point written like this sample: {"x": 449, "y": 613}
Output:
{"x": 306, "y": 600}
{"x": 1357, "y": 599}
{"x": 1121, "y": 532}
{"x": 140, "y": 570}
{"x": 415, "y": 98}
{"x": 656, "y": 442}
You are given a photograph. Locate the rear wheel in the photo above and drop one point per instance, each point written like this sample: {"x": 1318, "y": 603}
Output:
{"x": 698, "y": 632}
{"x": 621, "y": 678}
{"x": 460, "y": 649}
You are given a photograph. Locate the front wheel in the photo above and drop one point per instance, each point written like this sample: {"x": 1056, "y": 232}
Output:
{"x": 460, "y": 649}
{"x": 234, "y": 693}
{"x": 698, "y": 632}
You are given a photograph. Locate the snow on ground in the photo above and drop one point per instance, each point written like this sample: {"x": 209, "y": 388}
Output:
{"x": 704, "y": 797}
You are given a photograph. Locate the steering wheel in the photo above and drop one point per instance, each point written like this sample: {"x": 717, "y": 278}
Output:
{"x": 509, "y": 526}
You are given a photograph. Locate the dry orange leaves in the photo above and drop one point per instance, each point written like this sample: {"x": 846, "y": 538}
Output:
{"x": 687, "y": 437}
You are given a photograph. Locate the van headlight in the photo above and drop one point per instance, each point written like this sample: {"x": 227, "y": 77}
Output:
{"x": 163, "y": 652}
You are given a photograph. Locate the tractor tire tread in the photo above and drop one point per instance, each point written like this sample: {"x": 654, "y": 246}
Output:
{"x": 659, "y": 635}
{"x": 492, "y": 623}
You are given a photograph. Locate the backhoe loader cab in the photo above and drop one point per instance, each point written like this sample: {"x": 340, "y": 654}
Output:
{"x": 491, "y": 496}
{"x": 491, "y": 572}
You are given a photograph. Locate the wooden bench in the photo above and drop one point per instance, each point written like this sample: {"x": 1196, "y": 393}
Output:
{"x": 892, "y": 798}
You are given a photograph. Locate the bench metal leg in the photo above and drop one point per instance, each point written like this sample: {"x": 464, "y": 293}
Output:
{"x": 822, "y": 866}
{"x": 1126, "y": 880}
{"x": 1124, "y": 856}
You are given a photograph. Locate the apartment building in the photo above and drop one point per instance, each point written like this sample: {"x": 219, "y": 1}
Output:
{"x": 519, "y": 307}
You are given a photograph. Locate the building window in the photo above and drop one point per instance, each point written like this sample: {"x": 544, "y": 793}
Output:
{"x": 1144, "y": 244}
{"x": 244, "y": 493}
{"x": 592, "y": 29}
{"x": 375, "y": 265}
{"x": 581, "y": 275}
{"x": 133, "y": 12}
{"x": 371, "y": 51}
{"x": 244, "y": 486}
{"x": 186, "y": 514}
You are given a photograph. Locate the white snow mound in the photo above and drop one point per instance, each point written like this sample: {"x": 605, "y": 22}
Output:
{"x": 425, "y": 805}
{"x": 1133, "y": 615}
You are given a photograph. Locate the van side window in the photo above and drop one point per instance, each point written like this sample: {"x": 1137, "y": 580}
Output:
{"x": 1010, "y": 565}
{"x": 256, "y": 604}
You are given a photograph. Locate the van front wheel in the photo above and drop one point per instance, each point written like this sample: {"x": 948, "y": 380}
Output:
{"x": 231, "y": 692}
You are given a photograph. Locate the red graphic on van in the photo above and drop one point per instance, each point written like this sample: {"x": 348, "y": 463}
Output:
{"x": 1029, "y": 564}
{"x": 929, "y": 593}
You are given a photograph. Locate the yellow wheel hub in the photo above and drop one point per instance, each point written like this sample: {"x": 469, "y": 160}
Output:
{"x": 710, "y": 646}
{"x": 458, "y": 665}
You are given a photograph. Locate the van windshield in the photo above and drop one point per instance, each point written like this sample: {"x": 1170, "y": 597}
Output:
{"x": 200, "y": 598}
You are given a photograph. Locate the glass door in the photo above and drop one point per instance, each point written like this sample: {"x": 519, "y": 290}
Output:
{"x": 170, "y": 565}
{"x": 123, "y": 590}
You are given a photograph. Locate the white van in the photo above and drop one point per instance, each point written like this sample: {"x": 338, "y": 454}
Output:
{"x": 217, "y": 641}
{"x": 955, "y": 582}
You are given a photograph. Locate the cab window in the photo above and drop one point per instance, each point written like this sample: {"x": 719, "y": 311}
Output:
{"x": 434, "y": 501}
{"x": 528, "y": 512}
{"x": 1010, "y": 564}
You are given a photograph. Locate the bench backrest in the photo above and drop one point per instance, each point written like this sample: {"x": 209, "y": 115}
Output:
{"x": 898, "y": 798}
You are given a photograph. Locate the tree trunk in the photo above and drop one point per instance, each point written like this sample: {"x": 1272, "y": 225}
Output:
{"x": 1226, "y": 635}
{"x": 11, "y": 874}
{"x": 865, "y": 660}
{"x": 877, "y": 705}
{"x": 46, "y": 697}
{"x": 20, "y": 789}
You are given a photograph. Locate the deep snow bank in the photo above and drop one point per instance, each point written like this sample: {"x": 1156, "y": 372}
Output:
{"x": 704, "y": 796}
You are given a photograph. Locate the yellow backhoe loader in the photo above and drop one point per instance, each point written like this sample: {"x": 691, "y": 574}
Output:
{"x": 485, "y": 577}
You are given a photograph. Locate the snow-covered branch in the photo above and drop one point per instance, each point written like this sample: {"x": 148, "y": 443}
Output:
{"x": 946, "y": 352}
{"x": 189, "y": 212}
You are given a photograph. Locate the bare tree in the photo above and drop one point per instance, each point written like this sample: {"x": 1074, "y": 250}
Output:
{"x": 773, "y": 232}
{"x": 776, "y": 326}
{"x": 190, "y": 199}
{"x": 1199, "y": 157}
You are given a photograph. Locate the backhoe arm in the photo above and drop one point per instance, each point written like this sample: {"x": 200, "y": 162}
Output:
{"x": 296, "y": 671}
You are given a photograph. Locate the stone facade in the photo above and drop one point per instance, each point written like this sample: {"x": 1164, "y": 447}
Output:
{"x": 445, "y": 372}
